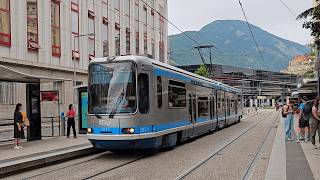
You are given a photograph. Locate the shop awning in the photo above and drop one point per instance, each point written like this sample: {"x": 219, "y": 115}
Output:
{"x": 11, "y": 75}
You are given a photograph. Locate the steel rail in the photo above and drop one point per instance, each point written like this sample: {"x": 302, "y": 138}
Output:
{"x": 199, "y": 164}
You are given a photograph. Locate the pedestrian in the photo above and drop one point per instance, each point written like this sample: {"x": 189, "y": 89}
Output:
{"x": 287, "y": 114}
{"x": 71, "y": 122}
{"x": 315, "y": 122}
{"x": 305, "y": 110}
{"x": 18, "y": 127}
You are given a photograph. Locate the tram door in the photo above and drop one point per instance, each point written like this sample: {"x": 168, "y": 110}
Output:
{"x": 192, "y": 108}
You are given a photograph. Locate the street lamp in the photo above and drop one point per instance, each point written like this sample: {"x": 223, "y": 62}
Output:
{"x": 74, "y": 62}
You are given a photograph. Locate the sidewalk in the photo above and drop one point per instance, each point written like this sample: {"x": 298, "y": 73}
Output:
{"x": 42, "y": 152}
{"x": 292, "y": 160}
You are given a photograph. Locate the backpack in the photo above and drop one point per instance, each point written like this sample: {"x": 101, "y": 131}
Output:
{"x": 306, "y": 112}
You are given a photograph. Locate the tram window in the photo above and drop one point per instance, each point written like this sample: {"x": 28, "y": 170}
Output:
{"x": 143, "y": 87}
{"x": 159, "y": 91}
{"x": 203, "y": 107}
{"x": 177, "y": 94}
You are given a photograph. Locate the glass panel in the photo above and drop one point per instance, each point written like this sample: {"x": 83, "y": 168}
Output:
{"x": 91, "y": 46}
{"x": 177, "y": 94}
{"x": 159, "y": 91}
{"x": 55, "y": 14}
{"x": 128, "y": 43}
{"x": 143, "y": 86}
{"x": 75, "y": 22}
{"x": 112, "y": 88}
{"x": 117, "y": 41}
{"x": 4, "y": 22}
{"x": 5, "y": 4}
{"x": 32, "y": 20}
{"x": 90, "y": 25}
{"x": 203, "y": 107}
{"x": 105, "y": 40}
{"x": 105, "y": 9}
{"x": 55, "y": 37}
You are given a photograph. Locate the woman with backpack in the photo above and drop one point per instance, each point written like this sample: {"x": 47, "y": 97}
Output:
{"x": 287, "y": 114}
{"x": 315, "y": 122}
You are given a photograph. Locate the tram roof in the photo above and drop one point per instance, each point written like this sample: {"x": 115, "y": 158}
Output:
{"x": 146, "y": 60}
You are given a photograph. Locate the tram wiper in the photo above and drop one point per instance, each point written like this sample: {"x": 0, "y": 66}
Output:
{"x": 115, "y": 107}
{"x": 98, "y": 116}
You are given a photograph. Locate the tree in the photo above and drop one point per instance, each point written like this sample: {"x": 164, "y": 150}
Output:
{"x": 202, "y": 71}
{"x": 312, "y": 17}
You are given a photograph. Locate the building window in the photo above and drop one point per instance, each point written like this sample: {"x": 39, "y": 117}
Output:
{"x": 116, "y": 4}
{"x": 75, "y": 29}
{"x": 136, "y": 25}
{"x": 127, "y": 13}
{"x": 105, "y": 40}
{"x": 177, "y": 94}
{"x": 8, "y": 93}
{"x": 5, "y": 31}
{"x": 128, "y": 41}
{"x": 32, "y": 25}
{"x": 145, "y": 33}
{"x": 55, "y": 28}
{"x": 161, "y": 42}
{"x": 203, "y": 107}
{"x": 105, "y": 8}
{"x": 91, "y": 39}
{"x": 143, "y": 87}
{"x": 159, "y": 91}
{"x": 152, "y": 25}
{"x": 117, "y": 41}
{"x": 153, "y": 49}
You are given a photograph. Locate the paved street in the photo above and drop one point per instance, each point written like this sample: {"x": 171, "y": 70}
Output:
{"x": 229, "y": 163}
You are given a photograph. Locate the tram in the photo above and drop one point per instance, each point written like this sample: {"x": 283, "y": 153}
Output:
{"x": 139, "y": 103}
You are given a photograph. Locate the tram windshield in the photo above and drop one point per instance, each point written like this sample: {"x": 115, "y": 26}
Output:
{"x": 112, "y": 88}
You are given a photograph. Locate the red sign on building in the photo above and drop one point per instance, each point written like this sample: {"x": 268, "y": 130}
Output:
{"x": 49, "y": 96}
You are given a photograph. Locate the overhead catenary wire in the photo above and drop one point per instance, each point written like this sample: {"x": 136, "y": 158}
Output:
{"x": 252, "y": 35}
{"x": 289, "y": 9}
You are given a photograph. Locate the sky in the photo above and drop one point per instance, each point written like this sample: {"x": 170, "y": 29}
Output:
{"x": 270, "y": 15}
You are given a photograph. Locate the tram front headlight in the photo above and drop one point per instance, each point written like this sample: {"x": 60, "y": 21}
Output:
{"x": 89, "y": 130}
{"x": 128, "y": 131}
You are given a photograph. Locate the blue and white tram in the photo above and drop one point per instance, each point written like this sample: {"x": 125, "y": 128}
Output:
{"x": 139, "y": 103}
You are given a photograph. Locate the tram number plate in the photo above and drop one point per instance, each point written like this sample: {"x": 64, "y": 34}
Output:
{"x": 105, "y": 123}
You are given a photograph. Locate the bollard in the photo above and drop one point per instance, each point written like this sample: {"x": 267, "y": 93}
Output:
{"x": 52, "y": 127}
{"x": 63, "y": 123}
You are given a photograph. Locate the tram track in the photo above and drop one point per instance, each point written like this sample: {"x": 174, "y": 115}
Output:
{"x": 223, "y": 147}
{"x": 114, "y": 167}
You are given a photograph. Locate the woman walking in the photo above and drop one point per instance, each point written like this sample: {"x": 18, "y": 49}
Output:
{"x": 18, "y": 127}
{"x": 71, "y": 123}
{"x": 287, "y": 114}
{"x": 315, "y": 122}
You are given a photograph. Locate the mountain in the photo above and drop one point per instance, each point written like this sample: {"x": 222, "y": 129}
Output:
{"x": 234, "y": 46}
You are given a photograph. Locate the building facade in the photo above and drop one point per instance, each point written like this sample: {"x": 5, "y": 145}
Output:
{"x": 302, "y": 65}
{"x": 52, "y": 38}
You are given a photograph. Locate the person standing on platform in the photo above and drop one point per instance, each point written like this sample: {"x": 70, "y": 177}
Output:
{"x": 315, "y": 122}
{"x": 305, "y": 109}
{"x": 71, "y": 122}
{"x": 287, "y": 114}
{"x": 18, "y": 127}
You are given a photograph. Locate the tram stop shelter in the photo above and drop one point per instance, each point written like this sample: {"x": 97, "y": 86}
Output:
{"x": 33, "y": 106}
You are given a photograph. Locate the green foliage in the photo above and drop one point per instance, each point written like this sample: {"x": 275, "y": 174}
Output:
{"x": 312, "y": 23}
{"x": 309, "y": 74}
{"x": 202, "y": 71}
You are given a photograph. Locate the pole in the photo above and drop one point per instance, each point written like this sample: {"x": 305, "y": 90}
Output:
{"x": 74, "y": 69}
{"x": 210, "y": 70}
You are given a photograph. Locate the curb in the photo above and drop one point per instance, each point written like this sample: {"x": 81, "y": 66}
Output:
{"x": 27, "y": 164}
{"x": 277, "y": 167}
